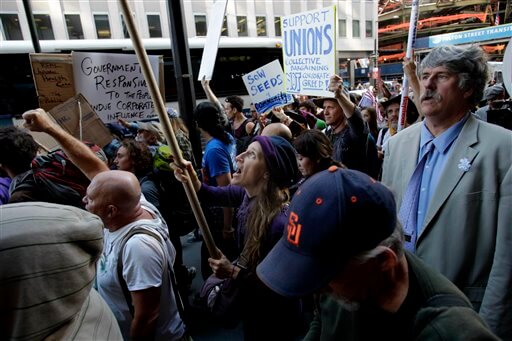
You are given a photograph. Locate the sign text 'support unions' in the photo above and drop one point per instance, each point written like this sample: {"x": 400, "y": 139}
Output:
{"x": 309, "y": 51}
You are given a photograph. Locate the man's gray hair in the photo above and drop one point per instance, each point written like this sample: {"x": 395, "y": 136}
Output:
{"x": 469, "y": 63}
{"x": 395, "y": 242}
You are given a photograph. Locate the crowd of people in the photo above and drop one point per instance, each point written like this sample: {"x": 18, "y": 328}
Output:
{"x": 330, "y": 223}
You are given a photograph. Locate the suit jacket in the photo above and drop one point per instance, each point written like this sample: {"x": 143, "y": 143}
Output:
{"x": 467, "y": 233}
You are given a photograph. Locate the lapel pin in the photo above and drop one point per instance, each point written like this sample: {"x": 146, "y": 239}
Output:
{"x": 464, "y": 165}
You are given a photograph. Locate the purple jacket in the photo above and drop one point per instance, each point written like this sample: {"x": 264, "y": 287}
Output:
{"x": 236, "y": 196}
{"x": 266, "y": 315}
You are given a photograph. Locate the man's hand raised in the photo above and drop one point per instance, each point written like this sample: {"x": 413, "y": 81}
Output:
{"x": 38, "y": 120}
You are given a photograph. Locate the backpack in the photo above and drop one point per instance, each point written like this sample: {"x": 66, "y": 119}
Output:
{"x": 174, "y": 204}
{"x": 54, "y": 178}
{"x": 167, "y": 266}
{"x": 162, "y": 158}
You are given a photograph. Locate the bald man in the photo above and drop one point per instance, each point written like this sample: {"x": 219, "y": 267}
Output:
{"x": 150, "y": 309}
{"x": 277, "y": 129}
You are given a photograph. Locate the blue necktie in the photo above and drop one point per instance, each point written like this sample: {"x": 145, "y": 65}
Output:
{"x": 408, "y": 213}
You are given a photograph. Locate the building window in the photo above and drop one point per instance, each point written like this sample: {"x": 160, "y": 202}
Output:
{"x": 242, "y": 26}
{"x": 355, "y": 29}
{"x": 200, "y": 25}
{"x": 11, "y": 29}
{"x": 224, "y": 31}
{"x": 261, "y": 26}
{"x": 154, "y": 26}
{"x": 74, "y": 26}
{"x": 126, "y": 34}
{"x": 277, "y": 26}
{"x": 369, "y": 29}
{"x": 44, "y": 27}
{"x": 342, "y": 27}
{"x": 102, "y": 26}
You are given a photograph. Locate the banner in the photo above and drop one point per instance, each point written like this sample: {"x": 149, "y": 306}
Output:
{"x": 309, "y": 51}
{"x": 114, "y": 85}
{"x": 265, "y": 85}
{"x": 211, "y": 46}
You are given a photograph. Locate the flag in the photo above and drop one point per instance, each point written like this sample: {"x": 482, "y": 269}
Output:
{"x": 367, "y": 100}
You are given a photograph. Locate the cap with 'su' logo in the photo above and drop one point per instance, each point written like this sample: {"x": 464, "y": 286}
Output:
{"x": 334, "y": 215}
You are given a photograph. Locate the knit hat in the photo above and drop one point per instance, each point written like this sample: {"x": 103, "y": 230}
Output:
{"x": 49, "y": 254}
{"x": 280, "y": 159}
{"x": 172, "y": 113}
{"x": 153, "y": 127}
{"x": 335, "y": 215}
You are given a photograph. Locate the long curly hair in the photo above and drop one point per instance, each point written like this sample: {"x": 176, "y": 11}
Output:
{"x": 140, "y": 155}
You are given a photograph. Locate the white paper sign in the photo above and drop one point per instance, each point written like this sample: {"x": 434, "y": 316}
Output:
{"x": 114, "y": 85}
{"x": 211, "y": 46}
{"x": 309, "y": 51}
{"x": 507, "y": 67}
{"x": 265, "y": 85}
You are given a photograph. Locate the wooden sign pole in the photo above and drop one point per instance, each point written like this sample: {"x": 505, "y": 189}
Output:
{"x": 166, "y": 125}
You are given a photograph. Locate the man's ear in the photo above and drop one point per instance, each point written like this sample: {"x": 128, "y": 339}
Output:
{"x": 387, "y": 258}
{"x": 468, "y": 93}
{"x": 112, "y": 211}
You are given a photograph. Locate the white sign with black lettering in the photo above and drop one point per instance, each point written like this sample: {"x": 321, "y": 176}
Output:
{"x": 309, "y": 51}
{"x": 114, "y": 85}
{"x": 266, "y": 87}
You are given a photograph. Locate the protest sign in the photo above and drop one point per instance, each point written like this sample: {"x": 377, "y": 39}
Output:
{"x": 309, "y": 51}
{"x": 265, "y": 85}
{"x": 77, "y": 117}
{"x": 53, "y": 78}
{"x": 114, "y": 85}
{"x": 211, "y": 46}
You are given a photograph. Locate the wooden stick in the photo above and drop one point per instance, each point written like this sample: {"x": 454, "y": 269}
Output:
{"x": 166, "y": 125}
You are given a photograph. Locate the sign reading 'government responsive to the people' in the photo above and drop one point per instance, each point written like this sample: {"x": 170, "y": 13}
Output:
{"x": 309, "y": 51}
{"x": 114, "y": 85}
{"x": 266, "y": 87}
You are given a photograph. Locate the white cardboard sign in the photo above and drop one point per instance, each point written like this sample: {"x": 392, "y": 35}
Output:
{"x": 114, "y": 85}
{"x": 265, "y": 85}
{"x": 211, "y": 46}
{"x": 309, "y": 51}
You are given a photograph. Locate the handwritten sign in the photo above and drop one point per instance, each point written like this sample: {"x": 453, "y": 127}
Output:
{"x": 309, "y": 51}
{"x": 114, "y": 85}
{"x": 77, "y": 117}
{"x": 211, "y": 46}
{"x": 53, "y": 78}
{"x": 266, "y": 87}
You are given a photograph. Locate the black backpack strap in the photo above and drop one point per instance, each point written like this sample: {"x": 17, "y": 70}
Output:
{"x": 446, "y": 300}
{"x": 124, "y": 286}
